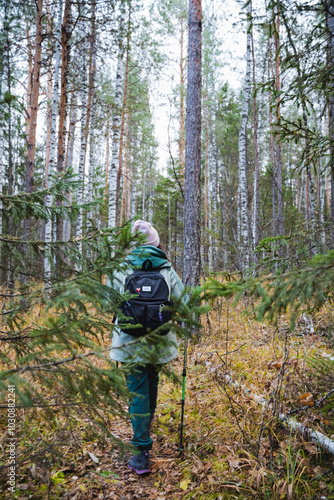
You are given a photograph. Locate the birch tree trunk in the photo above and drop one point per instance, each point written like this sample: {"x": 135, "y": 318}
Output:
{"x": 69, "y": 159}
{"x": 92, "y": 129}
{"x": 192, "y": 192}
{"x": 116, "y": 128}
{"x": 48, "y": 93}
{"x": 65, "y": 38}
{"x": 119, "y": 171}
{"x": 82, "y": 158}
{"x": 243, "y": 214}
{"x": 48, "y": 200}
{"x": 106, "y": 183}
{"x": 182, "y": 98}
{"x": 206, "y": 176}
{"x": 214, "y": 181}
{"x": 256, "y": 198}
{"x": 3, "y": 90}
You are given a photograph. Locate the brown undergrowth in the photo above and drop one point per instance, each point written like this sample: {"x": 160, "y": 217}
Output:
{"x": 242, "y": 375}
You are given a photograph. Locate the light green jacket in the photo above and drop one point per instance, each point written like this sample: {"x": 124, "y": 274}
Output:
{"x": 163, "y": 353}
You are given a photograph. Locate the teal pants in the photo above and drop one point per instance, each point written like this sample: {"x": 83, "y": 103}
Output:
{"x": 142, "y": 382}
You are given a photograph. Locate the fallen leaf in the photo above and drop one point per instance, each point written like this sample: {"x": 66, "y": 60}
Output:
{"x": 184, "y": 484}
{"x": 311, "y": 448}
{"x": 93, "y": 457}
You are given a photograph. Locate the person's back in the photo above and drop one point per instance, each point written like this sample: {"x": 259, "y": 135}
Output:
{"x": 141, "y": 375}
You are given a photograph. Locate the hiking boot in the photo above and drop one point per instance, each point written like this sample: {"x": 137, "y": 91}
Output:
{"x": 140, "y": 463}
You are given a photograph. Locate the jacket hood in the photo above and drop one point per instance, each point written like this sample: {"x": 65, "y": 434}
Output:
{"x": 155, "y": 255}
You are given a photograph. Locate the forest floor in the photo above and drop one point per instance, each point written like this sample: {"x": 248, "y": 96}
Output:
{"x": 241, "y": 375}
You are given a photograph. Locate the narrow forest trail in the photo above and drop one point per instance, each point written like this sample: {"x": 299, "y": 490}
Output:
{"x": 224, "y": 422}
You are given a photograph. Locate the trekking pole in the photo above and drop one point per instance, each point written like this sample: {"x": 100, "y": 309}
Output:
{"x": 184, "y": 374}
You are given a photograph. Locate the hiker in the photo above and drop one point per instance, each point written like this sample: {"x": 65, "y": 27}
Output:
{"x": 143, "y": 378}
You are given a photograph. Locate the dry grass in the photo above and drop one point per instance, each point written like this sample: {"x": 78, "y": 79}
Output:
{"x": 241, "y": 375}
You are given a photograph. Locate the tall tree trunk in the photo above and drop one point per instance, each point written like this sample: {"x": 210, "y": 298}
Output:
{"x": 303, "y": 99}
{"x": 48, "y": 200}
{"x": 206, "y": 177}
{"x": 65, "y": 45}
{"x": 48, "y": 93}
{"x": 272, "y": 144}
{"x": 30, "y": 76}
{"x": 213, "y": 176}
{"x": 119, "y": 171}
{"x": 192, "y": 192}
{"x": 82, "y": 157}
{"x": 116, "y": 128}
{"x": 69, "y": 160}
{"x": 278, "y": 156}
{"x": 34, "y": 99}
{"x": 7, "y": 89}
{"x": 92, "y": 129}
{"x": 3, "y": 91}
{"x": 106, "y": 184}
{"x": 243, "y": 214}
{"x": 330, "y": 23}
{"x": 125, "y": 194}
{"x": 182, "y": 99}
{"x": 256, "y": 198}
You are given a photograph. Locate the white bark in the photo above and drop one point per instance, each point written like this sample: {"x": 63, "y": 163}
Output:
{"x": 3, "y": 90}
{"x": 69, "y": 161}
{"x": 316, "y": 437}
{"x": 116, "y": 127}
{"x": 213, "y": 180}
{"x": 92, "y": 140}
{"x": 243, "y": 215}
{"x": 52, "y": 160}
{"x": 81, "y": 169}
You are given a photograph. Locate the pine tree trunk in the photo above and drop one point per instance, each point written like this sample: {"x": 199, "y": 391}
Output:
{"x": 124, "y": 199}
{"x": 34, "y": 99}
{"x": 192, "y": 192}
{"x": 52, "y": 160}
{"x": 244, "y": 237}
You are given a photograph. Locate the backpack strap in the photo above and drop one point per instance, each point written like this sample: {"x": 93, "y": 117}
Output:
{"x": 147, "y": 265}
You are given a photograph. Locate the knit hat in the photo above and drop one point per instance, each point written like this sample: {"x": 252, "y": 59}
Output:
{"x": 151, "y": 234}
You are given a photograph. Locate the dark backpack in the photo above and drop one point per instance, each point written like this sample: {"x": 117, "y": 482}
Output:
{"x": 148, "y": 307}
